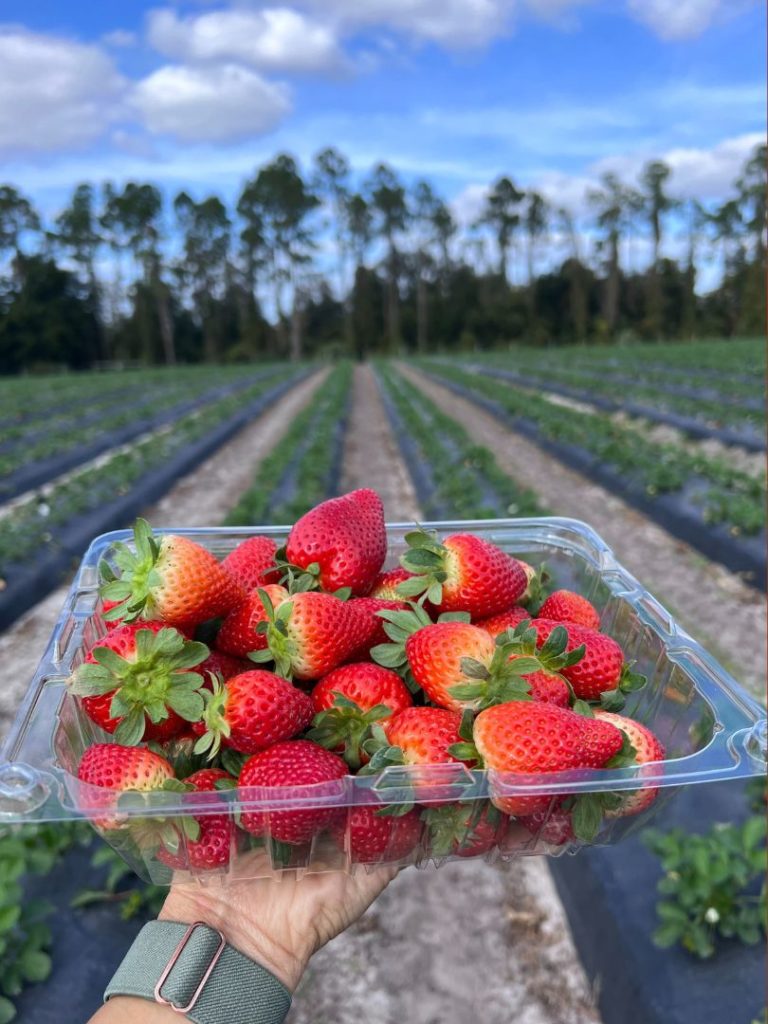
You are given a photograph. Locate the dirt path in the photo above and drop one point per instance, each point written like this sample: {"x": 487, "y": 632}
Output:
{"x": 714, "y": 605}
{"x": 468, "y": 940}
{"x": 201, "y": 498}
{"x": 371, "y": 457}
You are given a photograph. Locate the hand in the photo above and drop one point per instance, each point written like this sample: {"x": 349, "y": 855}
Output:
{"x": 280, "y": 923}
{"x": 277, "y": 923}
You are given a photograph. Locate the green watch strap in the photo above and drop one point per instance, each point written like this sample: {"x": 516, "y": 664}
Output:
{"x": 192, "y": 969}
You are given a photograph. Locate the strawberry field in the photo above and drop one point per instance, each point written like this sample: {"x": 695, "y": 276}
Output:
{"x": 665, "y": 461}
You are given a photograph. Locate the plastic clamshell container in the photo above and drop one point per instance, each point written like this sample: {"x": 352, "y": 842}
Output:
{"x": 712, "y": 731}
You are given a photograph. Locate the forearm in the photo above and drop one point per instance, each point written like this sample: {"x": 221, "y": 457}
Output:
{"x": 189, "y": 906}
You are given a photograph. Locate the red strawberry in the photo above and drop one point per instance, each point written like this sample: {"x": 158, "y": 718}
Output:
{"x": 170, "y": 578}
{"x": 435, "y": 654}
{"x": 548, "y": 687}
{"x": 289, "y": 766}
{"x": 110, "y": 769}
{"x": 498, "y": 624}
{"x": 134, "y": 682}
{"x": 463, "y": 573}
{"x": 311, "y": 634}
{"x": 601, "y": 666}
{"x": 252, "y": 711}
{"x": 349, "y": 700}
{"x": 423, "y": 735}
{"x": 529, "y": 737}
{"x": 369, "y": 837}
{"x": 238, "y": 633}
{"x": 252, "y": 562}
{"x": 213, "y": 833}
{"x": 553, "y": 826}
{"x": 565, "y": 606}
{"x": 648, "y": 748}
{"x": 371, "y": 606}
{"x": 218, "y": 665}
{"x": 386, "y": 583}
{"x": 467, "y": 829}
{"x": 601, "y": 741}
{"x": 344, "y": 538}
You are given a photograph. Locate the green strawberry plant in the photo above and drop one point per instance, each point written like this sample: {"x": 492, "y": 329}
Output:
{"x": 24, "y": 933}
{"x": 710, "y": 886}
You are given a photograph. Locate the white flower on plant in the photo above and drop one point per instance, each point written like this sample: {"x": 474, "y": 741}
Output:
{"x": 711, "y": 915}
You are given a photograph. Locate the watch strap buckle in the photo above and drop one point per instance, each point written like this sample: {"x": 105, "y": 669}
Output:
{"x": 158, "y": 993}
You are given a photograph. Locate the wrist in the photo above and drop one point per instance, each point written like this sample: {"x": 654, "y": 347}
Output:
{"x": 246, "y": 935}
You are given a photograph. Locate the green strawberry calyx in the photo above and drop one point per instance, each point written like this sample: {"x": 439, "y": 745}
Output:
{"x": 346, "y": 725}
{"x": 214, "y": 719}
{"x": 452, "y": 828}
{"x": 148, "y": 686}
{"x": 587, "y": 809}
{"x": 281, "y": 647}
{"x": 136, "y": 586}
{"x": 399, "y": 624}
{"x": 298, "y": 579}
{"x": 426, "y": 561}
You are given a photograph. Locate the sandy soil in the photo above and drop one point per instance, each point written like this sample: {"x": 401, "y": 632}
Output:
{"x": 466, "y": 942}
{"x": 714, "y": 605}
{"x": 201, "y": 498}
{"x": 371, "y": 457}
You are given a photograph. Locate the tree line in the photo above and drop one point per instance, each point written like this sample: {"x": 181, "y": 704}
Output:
{"x": 366, "y": 267}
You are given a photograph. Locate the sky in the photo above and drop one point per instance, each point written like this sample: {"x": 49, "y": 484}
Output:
{"x": 197, "y": 94}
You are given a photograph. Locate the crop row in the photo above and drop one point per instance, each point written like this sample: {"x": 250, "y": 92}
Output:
{"x": 453, "y": 477}
{"x": 304, "y": 467}
{"x": 735, "y": 366}
{"x": 40, "y": 537}
{"x": 25, "y": 467}
{"x": 703, "y": 500}
{"x": 606, "y": 397}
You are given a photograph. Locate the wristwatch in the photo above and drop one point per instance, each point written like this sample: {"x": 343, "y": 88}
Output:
{"x": 192, "y": 970}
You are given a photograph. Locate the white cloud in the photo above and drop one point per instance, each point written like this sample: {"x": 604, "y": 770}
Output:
{"x": 120, "y": 37}
{"x": 451, "y": 23}
{"x": 55, "y": 94}
{"x": 274, "y": 39}
{"x": 211, "y": 104}
{"x": 676, "y": 19}
{"x": 705, "y": 173}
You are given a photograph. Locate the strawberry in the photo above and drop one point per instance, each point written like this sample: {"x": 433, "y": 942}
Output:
{"x": 435, "y": 654}
{"x": 239, "y": 633}
{"x": 530, "y": 738}
{"x": 601, "y": 668}
{"x": 548, "y": 687}
{"x": 291, "y": 765}
{"x": 218, "y": 665}
{"x": 252, "y": 563}
{"x": 341, "y": 542}
{"x": 463, "y": 573}
{"x": 553, "y": 827}
{"x": 463, "y": 829}
{"x": 565, "y": 606}
{"x": 460, "y": 666}
{"x": 421, "y": 736}
{"x": 311, "y": 634}
{"x": 386, "y": 583}
{"x": 498, "y": 624}
{"x": 647, "y": 748}
{"x": 371, "y": 606}
{"x": 109, "y": 769}
{"x": 171, "y": 578}
{"x": 135, "y": 682}
{"x": 210, "y": 844}
{"x": 349, "y": 700}
{"x": 370, "y": 837}
{"x": 252, "y": 711}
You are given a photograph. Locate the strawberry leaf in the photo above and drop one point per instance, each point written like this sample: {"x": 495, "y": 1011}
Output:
{"x": 131, "y": 730}
{"x": 587, "y": 816}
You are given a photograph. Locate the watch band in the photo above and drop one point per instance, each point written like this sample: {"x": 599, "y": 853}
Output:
{"x": 192, "y": 969}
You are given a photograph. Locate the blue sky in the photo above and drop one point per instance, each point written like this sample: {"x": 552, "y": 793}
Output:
{"x": 552, "y": 92}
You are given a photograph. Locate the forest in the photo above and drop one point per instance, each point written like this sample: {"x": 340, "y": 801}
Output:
{"x": 319, "y": 264}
